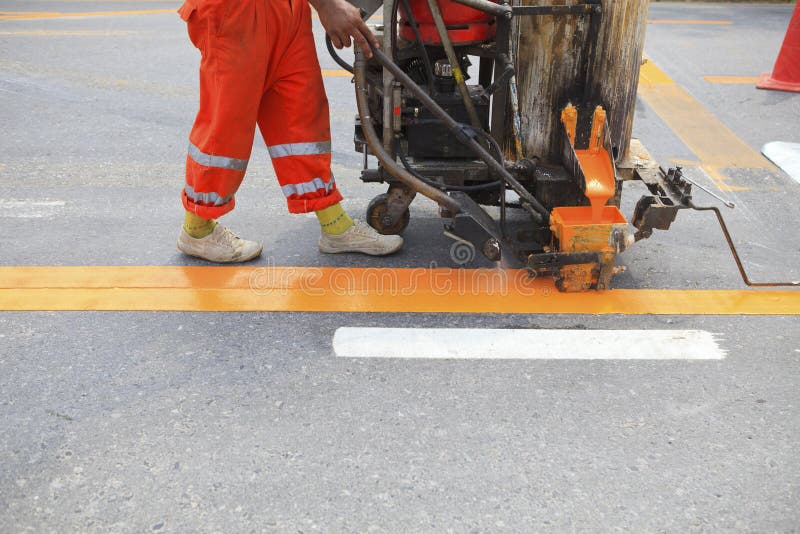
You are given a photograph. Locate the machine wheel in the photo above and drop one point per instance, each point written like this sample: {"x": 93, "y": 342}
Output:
{"x": 376, "y": 212}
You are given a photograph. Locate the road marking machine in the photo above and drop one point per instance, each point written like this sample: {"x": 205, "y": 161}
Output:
{"x": 544, "y": 131}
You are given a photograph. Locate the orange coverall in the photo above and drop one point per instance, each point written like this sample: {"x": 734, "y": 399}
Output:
{"x": 259, "y": 66}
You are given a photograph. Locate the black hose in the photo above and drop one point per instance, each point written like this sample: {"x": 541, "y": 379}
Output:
{"x": 463, "y": 188}
{"x": 377, "y": 149}
{"x": 444, "y": 187}
{"x": 335, "y": 55}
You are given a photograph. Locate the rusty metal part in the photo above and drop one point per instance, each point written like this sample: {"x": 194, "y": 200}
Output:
{"x": 727, "y": 203}
{"x": 574, "y": 271}
{"x": 388, "y": 212}
{"x": 736, "y": 258}
{"x": 516, "y": 118}
{"x": 638, "y": 158}
{"x": 575, "y": 230}
{"x": 491, "y": 249}
{"x": 577, "y": 9}
{"x": 671, "y": 191}
{"x": 497, "y": 10}
{"x": 377, "y": 148}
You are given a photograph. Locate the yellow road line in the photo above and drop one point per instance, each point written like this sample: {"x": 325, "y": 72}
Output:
{"x": 336, "y": 73}
{"x": 691, "y": 22}
{"x": 374, "y": 18}
{"x": 311, "y": 289}
{"x": 715, "y": 144}
{"x": 731, "y": 79}
{"x": 176, "y": 3}
{"x": 69, "y": 33}
{"x": 33, "y": 15}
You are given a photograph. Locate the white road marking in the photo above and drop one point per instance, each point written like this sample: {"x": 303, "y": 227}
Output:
{"x": 30, "y": 209}
{"x": 784, "y": 155}
{"x": 502, "y": 344}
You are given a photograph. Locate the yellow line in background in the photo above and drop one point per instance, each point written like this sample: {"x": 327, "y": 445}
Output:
{"x": 69, "y": 33}
{"x": 691, "y": 22}
{"x": 715, "y": 144}
{"x": 176, "y": 3}
{"x": 310, "y": 289}
{"x": 732, "y": 79}
{"x": 374, "y": 18}
{"x": 336, "y": 73}
{"x": 35, "y": 15}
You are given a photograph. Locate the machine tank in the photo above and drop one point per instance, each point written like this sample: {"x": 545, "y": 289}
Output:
{"x": 554, "y": 55}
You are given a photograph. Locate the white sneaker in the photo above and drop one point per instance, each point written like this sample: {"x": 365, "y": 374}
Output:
{"x": 360, "y": 238}
{"x": 220, "y": 246}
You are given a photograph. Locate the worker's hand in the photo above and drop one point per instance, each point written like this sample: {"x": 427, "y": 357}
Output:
{"x": 342, "y": 20}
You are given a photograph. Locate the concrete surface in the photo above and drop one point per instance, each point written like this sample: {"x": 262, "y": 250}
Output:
{"x": 239, "y": 422}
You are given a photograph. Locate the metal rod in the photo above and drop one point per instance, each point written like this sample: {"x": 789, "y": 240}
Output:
{"x": 503, "y": 209}
{"x": 455, "y": 65}
{"x": 487, "y": 7}
{"x": 389, "y": 36}
{"x": 359, "y": 66}
{"x": 578, "y": 9}
{"x": 500, "y": 97}
{"x": 736, "y": 258}
{"x": 727, "y": 203}
{"x": 454, "y": 127}
{"x": 516, "y": 117}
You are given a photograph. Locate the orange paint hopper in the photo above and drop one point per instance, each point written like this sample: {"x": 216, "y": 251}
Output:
{"x": 577, "y": 230}
{"x": 594, "y": 164}
{"x": 597, "y": 229}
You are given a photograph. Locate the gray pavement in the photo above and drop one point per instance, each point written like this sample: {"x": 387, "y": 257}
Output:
{"x": 238, "y": 422}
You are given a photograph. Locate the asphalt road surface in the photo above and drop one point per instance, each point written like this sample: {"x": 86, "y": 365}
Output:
{"x": 239, "y": 421}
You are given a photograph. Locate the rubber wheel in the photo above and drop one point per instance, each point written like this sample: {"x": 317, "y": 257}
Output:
{"x": 376, "y": 211}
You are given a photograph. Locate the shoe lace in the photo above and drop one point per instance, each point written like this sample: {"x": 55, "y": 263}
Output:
{"x": 228, "y": 236}
{"x": 365, "y": 230}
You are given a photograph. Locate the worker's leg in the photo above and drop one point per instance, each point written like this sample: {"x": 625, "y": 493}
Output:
{"x": 230, "y": 37}
{"x": 295, "y": 123}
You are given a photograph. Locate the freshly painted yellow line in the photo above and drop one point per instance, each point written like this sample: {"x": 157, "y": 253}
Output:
{"x": 311, "y": 289}
{"x": 717, "y": 147}
{"x": 692, "y": 22}
{"x": 336, "y": 73}
{"x": 731, "y": 79}
{"x": 32, "y": 15}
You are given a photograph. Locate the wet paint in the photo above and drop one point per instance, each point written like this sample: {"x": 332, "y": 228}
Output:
{"x": 598, "y": 168}
{"x": 599, "y": 172}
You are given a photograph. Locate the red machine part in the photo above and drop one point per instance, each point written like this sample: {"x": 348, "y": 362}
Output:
{"x": 465, "y": 25}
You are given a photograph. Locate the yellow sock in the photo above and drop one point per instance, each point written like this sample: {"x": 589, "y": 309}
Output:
{"x": 334, "y": 220}
{"x": 197, "y": 226}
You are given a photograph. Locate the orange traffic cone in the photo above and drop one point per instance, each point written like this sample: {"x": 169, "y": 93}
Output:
{"x": 786, "y": 74}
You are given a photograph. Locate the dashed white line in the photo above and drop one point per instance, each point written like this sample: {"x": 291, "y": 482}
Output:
{"x": 30, "y": 209}
{"x": 507, "y": 344}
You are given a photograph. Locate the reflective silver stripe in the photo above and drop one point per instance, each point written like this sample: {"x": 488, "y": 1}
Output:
{"x": 220, "y": 162}
{"x": 206, "y": 198}
{"x": 299, "y": 149}
{"x": 310, "y": 186}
